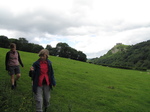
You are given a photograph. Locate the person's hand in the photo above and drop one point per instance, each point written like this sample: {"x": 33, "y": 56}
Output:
{"x": 32, "y": 68}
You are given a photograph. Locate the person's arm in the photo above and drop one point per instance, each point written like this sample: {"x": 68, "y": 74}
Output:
{"x": 19, "y": 59}
{"x": 52, "y": 75}
{"x": 31, "y": 72}
{"x": 6, "y": 61}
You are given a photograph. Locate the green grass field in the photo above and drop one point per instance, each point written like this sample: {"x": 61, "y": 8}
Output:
{"x": 81, "y": 87}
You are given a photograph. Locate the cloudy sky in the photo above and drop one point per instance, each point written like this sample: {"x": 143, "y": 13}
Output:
{"x": 91, "y": 26}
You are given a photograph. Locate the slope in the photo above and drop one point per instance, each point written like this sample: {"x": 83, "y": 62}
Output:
{"x": 81, "y": 87}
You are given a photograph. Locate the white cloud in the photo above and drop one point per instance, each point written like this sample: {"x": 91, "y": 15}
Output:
{"x": 91, "y": 26}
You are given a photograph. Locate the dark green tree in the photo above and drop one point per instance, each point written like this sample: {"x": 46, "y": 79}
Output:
{"x": 22, "y": 40}
{"x": 4, "y": 42}
{"x": 81, "y": 56}
{"x": 50, "y": 49}
{"x": 61, "y": 49}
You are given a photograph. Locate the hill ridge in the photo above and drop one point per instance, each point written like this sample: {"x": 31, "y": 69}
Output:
{"x": 126, "y": 56}
{"x": 119, "y": 47}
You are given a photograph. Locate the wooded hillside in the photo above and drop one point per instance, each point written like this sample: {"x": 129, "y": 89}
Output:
{"x": 124, "y": 56}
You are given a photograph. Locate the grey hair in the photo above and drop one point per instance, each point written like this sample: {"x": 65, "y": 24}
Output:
{"x": 44, "y": 52}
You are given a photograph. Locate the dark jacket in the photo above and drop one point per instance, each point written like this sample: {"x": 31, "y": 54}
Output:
{"x": 36, "y": 73}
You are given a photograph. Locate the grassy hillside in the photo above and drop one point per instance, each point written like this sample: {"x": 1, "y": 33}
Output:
{"x": 81, "y": 87}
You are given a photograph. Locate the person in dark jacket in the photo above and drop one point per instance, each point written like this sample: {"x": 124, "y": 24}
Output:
{"x": 12, "y": 62}
{"x": 43, "y": 79}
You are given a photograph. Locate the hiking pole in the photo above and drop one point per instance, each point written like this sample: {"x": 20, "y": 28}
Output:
{"x": 11, "y": 101}
{"x": 32, "y": 100}
{"x": 32, "y": 97}
{"x": 31, "y": 75}
{"x": 11, "y": 97}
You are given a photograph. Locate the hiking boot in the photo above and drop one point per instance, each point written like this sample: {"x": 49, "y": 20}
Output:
{"x": 45, "y": 109}
{"x": 12, "y": 87}
{"x": 15, "y": 83}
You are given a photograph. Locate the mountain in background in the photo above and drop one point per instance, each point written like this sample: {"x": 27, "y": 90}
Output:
{"x": 126, "y": 56}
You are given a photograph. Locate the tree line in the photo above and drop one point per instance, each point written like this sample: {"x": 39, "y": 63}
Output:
{"x": 128, "y": 57}
{"x": 61, "y": 49}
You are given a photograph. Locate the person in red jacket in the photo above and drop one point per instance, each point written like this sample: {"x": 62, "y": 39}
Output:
{"x": 43, "y": 79}
{"x": 12, "y": 64}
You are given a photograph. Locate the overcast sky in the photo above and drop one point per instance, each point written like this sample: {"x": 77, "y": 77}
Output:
{"x": 91, "y": 26}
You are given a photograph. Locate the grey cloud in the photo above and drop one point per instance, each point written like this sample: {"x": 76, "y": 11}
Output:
{"x": 128, "y": 27}
{"x": 120, "y": 25}
{"x": 40, "y": 21}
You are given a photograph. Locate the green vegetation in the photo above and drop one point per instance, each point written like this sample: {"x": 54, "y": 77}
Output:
{"x": 81, "y": 87}
{"x": 61, "y": 49}
{"x": 129, "y": 57}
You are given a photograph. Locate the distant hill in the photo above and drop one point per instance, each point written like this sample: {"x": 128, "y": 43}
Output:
{"x": 124, "y": 56}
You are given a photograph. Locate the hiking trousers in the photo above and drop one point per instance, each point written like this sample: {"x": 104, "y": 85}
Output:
{"x": 42, "y": 97}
